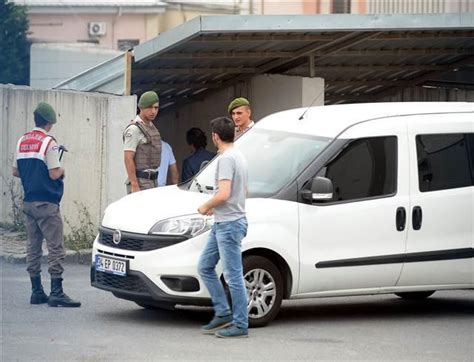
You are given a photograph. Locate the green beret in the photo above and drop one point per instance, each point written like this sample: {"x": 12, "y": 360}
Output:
{"x": 148, "y": 99}
{"x": 238, "y": 102}
{"x": 46, "y": 112}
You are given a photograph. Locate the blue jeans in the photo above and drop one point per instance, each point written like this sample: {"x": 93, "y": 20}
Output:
{"x": 224, "y": 243}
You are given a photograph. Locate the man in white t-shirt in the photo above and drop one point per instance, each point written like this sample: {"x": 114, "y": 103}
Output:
{"x": 168, "y": 163}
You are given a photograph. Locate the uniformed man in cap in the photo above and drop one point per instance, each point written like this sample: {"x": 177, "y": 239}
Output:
{"x": 37, "y": 164}
{"x": 142, "y": 145}
{"x": 239, "y": 110}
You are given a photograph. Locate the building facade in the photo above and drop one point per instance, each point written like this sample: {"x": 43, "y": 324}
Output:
{"x": 111, "y": 24}
{"x": 309, "y": 7}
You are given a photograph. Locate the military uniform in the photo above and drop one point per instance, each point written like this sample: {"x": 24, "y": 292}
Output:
{"x": 239, "y": 133}
{"x": 145, "y": 141}
{"x": 36, "y": 154}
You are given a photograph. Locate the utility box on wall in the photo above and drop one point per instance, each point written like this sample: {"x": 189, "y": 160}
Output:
{"x": 90, "y": 125}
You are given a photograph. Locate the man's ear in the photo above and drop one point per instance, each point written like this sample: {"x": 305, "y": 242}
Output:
{"x": 215, "y": 137}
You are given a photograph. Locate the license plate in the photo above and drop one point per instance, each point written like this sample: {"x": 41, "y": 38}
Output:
{"x": 111, "y": 265}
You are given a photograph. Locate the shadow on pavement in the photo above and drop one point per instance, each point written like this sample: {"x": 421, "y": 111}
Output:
{"x": 330, "y": 309}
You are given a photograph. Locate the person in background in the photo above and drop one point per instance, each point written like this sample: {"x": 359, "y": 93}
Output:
{"x": 37, "y": 164}
{"x": 240, "y": 111}
{"x": 197, "y": 141}
{"x": 168, "y": 164}
{"x": 142, "y": 145}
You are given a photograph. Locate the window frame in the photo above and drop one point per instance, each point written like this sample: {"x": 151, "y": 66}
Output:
{"x": 469, "y": 141}
{"x": 321, "y": 172}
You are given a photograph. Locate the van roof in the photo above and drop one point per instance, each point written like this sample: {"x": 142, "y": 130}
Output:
{"x": 329, "y": 121}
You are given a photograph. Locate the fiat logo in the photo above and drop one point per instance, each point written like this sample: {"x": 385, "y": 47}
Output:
{"x": 117, "y": 237}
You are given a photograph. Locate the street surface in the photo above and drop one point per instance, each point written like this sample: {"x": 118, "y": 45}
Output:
{"x": 109, "y": 329}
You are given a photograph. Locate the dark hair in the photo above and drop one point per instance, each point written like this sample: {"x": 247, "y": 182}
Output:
{"x": 39, "y": 121}
{"x": 196, "y": 137}
{"x": 224, "y": 128}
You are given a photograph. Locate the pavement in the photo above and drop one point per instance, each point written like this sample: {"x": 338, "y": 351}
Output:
{"x": 13, "y": 250}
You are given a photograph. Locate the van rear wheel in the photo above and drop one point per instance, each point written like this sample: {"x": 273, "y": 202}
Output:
{"x": 415, "y": 295}
{"x": 264, "y": 285}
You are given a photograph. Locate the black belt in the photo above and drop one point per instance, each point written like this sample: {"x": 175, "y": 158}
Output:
{"x": 147, "y": 174}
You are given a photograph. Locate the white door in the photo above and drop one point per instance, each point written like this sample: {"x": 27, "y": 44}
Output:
{"x": 353, "y": 241}
{"x": 439, "y": 248}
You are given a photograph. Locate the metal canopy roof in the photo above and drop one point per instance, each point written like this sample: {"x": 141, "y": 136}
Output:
{"x": 361, "y": 57}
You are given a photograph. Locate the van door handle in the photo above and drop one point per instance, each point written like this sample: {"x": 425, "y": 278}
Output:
{"x": 416, "y": 217}
{"x": 401, "y": 218}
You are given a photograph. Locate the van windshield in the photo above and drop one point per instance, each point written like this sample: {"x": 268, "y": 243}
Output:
{"x": 274, "y": 159}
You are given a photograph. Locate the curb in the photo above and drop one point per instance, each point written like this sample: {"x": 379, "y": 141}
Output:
{"x": 72, "y": 256}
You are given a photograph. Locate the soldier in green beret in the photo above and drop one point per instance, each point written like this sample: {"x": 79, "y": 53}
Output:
{"x": 37, "y": 164}
{"x": 239, "y": 110}
{"x": 142, "y": 145}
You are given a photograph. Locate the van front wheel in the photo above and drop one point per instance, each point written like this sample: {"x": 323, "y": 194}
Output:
{"x": 264, "y": 285}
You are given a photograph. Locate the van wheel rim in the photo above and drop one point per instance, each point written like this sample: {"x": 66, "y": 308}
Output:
{"x": 261, "y": 292}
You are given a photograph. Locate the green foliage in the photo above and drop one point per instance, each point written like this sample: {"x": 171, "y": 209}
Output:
{"x": 83, "y": 231}
{"x": 15, "y": 54}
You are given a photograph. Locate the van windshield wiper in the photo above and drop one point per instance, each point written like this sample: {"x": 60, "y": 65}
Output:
{"x": 198, "y": 185}
{"x": 201, "y": 188}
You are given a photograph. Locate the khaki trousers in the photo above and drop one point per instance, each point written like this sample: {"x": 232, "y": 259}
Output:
{"x": 44, "y": 221}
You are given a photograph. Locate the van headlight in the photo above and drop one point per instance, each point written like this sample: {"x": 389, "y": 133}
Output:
{"x": 189, "y": 226}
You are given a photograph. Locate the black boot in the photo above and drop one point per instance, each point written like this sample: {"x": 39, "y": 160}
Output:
{"x": 38, "y": 296}
{"x": 58, "y": 297}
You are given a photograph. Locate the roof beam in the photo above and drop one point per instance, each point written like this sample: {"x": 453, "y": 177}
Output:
{"x": 378, "y": 68}
{"x": 226, "y": 55}
{"x": 353, "y": 82}
{"x": 349, "y": 53}
{"x": 425, "y": 35}
{"x": 327, "y": 37}
{"x": 187, "y": 71}
{"x": 184, "y": 85}
{"x": 398, "y": 52}
{"x": 261, "y": 37}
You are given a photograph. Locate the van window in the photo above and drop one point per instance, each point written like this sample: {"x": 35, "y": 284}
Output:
{"x": 445, "y": 161}
{"x": 366, "y": 168}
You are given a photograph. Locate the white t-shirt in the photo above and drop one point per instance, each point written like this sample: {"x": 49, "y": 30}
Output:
{"x": 231, "y": 166}
{"x": 167, "y": 159}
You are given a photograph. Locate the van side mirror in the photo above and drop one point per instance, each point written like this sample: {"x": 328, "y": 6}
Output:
{"x": 321, "y": 190}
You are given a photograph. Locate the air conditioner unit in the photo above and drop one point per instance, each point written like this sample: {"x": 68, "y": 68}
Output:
{"x": 96, "y": 29}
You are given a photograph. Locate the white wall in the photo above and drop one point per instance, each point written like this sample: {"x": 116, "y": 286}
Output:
{"x": 90, "y": 125}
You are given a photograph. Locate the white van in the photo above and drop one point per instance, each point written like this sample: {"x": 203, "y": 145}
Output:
{"x": 343, "y": 200}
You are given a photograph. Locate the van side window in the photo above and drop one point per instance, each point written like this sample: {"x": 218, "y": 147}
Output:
{"x": 367, "y": 167}
{"x": 444, "y": 161}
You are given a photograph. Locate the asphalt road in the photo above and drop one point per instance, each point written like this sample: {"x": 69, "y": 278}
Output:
{"x": 109, "y": 329}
